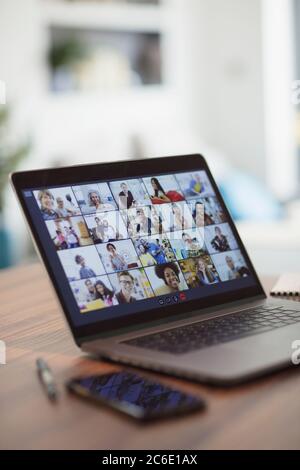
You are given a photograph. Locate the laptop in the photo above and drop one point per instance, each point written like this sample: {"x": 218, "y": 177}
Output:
{"x": 150, "y": 270}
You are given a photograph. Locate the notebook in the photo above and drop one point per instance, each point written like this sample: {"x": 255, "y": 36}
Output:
{"x": 288, "y": 284}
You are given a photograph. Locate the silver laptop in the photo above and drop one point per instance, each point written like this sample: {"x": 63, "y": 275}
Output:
{"x": 150, "y": 270}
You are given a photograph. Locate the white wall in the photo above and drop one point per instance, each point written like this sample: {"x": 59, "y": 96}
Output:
{"x": 279, "y": 44}
{"x": 21, "y": 59}
{"x": 20, "y": 66}
{"x": 223, "y": 56}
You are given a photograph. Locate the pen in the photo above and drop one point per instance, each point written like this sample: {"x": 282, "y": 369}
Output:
{"x": 47, "y": 379}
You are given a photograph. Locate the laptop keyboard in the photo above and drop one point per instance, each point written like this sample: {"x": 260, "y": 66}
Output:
{"x": 223, "y": 329}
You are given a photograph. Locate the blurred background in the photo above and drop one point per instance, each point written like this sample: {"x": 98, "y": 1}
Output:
{"x": 98, "y": 80}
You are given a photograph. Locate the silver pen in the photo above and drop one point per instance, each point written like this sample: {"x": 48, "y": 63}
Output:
{"x": 47, "y": 379}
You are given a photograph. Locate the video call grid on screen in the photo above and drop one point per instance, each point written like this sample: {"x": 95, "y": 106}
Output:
{"x": 124, "y": 241}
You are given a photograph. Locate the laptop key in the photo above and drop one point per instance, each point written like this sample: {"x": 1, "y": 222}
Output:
{"x": 203, "y": 334}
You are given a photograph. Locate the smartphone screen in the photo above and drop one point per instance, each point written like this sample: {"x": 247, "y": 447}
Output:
{"x": 135, "y": 395}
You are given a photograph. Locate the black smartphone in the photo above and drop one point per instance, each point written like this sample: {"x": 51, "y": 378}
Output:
{"x": 135, "y": 395}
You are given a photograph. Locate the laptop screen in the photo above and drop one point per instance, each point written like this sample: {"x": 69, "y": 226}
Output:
{"x": 127, "y": 246}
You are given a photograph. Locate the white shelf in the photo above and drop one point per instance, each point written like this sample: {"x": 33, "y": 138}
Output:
{"x": 120, "y": 17}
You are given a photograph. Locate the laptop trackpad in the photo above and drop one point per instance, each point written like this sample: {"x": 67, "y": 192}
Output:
{"x": 249, "y": 356}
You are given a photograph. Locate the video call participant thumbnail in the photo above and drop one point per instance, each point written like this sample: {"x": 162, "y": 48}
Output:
{"x": 46, "y": 202}
{"x": 84, "y": 270}
{"x": 187, "y": 244}
{"x": 117, "y": 260}
{"x": 176, "y": 216}
{"x": 130, "y": 193}
{"x": 195, "y": 184}
{"x": 93, "y": 294}
{"x": 118, "y": 256}
{"x": 199, "y": 215}
{"x": 56, "y": 203}
{"x": 231, "y": 265}
{"x": 81, "y": 263}
{"x": 131, "y": 286}
{"x": 70, "y": 232}
{"x": 105, "y": 293}
{"x": 220, "y": 239}
{"x": 106, "y": 227}
{"x": 95, "y": 201}
{"x": 147, "y": 259}
{"x": 154, "y": 250}
{"x": 142, "y": 221}
{"x": 105, "y": 232}
{"x": 158, "y": 195}
{"x": 91, "y": 290}
{"x": 213, "y": 212}
{"x": 126, "y": 199}
{"x": 64, "y": 211}
{"x": 235, "y": 269}
{"x": 207, "y": 211}
{"x": 206, "y": 272}
{"x": 166, "y": 278}
{"x": 125, "y": 294}
{"x": 163, "y": 190}
{"x": 93, "y": 198}
{"x": 100, "y": 289}
{"x": 199, "y": 272}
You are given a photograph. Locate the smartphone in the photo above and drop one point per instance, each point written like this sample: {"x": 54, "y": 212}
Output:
{"x": 135, "y": 395}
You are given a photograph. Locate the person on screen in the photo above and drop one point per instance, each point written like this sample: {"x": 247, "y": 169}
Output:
{"x": 144, "y": 223}
{"x": 146, "y": 257}
{"x": 167, "y": 250}
{"x": 205, "y": 274}
{"x": 235, "y": 272}
{"x": 220, "y": 242}
{"x": 109, "y": 233}
{"x": 179, "y": 221}
{"x": 84, "y": 271}
{"x": 220, "y": 216}
{"x": 71, "y": 204}
{"x": 156, "y": 223}
{"x": 126, "y": 281}
{"x": 126, "y": 199}
{"x": 208, "y": 219}
{"x": 232, "y": 272}
{"x": 91, "y": 291}
{"x": 191, "y": 248}
{"x": 98, "y": 230}
{"x": 117, "y": 261}
{"x": 199, "y": 214}
{"x": 202, "y": 217}
{"x": 105, "y": 294}
{"x": 196, "y": 185}
{"x": 46, "y": 200}
{"x": 95, "y": 201}
{"x": 60, "y": 240}
{"x": 61, "y": 210}
{"x": 71, "y": 237}
{"x": 159, "y": 194}
{"x": 156, "y": 251}
{"x": 169, "y": 273}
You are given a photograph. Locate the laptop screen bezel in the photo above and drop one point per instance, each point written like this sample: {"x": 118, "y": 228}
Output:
{"x": 128, "y": 169}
